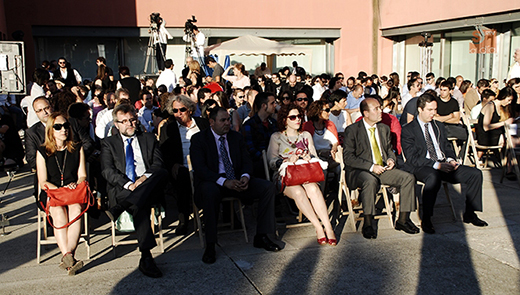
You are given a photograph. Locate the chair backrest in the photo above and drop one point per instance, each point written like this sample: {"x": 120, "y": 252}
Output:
{"x": 266, "y": 166}
{"x": 190, "y": 169}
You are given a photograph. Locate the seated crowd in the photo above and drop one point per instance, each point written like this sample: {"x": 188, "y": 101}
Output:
{"x": 138, "y": 136}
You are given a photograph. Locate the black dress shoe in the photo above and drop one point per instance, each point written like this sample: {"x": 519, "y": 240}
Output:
{"x": 369, "y": 232}
{"x": 209, "y": 256}
{"x": 114, "y": 212}
{"x": 427, "y": 227}
{"x": 411, "y": 224}
{"x": 148, "y": 268}
{"x": 406, "y": 227}
{"x": 262, "y": 241}
{"x": 473, "y": 219}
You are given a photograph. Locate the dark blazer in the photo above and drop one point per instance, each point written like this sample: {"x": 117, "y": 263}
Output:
{"x": 34, "y": 138}
{"x": 170, "y": 141}
{"x": 113, "y": 161}
{"x": 204, "y": 156}
{"x": 414, "y": 145}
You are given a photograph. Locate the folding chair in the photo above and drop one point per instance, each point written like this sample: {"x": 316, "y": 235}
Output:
{"x": 153, "y": 216}
{"x": 232, "y": 201}
{"x": 473, "y": 144}
{"x": 510, "y": 155}
{"x": 354, "y": 211}
{"x": 43, "y": 237}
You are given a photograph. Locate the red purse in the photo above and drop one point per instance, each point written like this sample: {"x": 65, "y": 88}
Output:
{"x": 64, "y": 196}
{"x": 299, "y": 174}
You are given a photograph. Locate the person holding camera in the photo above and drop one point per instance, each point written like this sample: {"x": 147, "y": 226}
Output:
{"x": 197, "y": 40}
{"x": 161, "y": 36}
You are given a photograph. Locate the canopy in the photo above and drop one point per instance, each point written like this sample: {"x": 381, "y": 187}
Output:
{"x": 253, "y": 45}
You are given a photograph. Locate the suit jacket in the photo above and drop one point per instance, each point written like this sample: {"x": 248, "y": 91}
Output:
{"x": 113, "y": 161}
{"x": 414, "y": 145}
{"x": 204, "y": 156}
{"x": 35, "y": 137}
{"x": 170, "y": 141}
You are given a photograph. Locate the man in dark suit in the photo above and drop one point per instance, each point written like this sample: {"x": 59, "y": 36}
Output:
{"x": 174, "y": 140}
{"x": 370, "y": 161}
{"x": 34, "y": 138}
{"x": 430, "y": 158}
{"x": 222, "y": 167}
{"x": 133, "y": 167}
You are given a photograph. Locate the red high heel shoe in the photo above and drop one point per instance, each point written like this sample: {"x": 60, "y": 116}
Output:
{"x": 322, "y": 241}
{"x": 332, "y": 242}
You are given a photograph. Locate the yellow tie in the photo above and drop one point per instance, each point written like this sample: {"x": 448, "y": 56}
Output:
{"x": 375, "y": 147}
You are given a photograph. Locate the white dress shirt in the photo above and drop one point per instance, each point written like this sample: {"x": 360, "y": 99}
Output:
{"x": 221, "y": 168}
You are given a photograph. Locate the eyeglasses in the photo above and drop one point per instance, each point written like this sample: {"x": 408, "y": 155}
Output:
{"x": 61, "y": 62}
{"x": 294, "y": 117}
{"x": 326, "y": 110}
{"x": 300, "y": 99}
{"x": 126, "y": 121}
{"x": 341, "y": 78}
{"x": 182, "y": 110}
{"x": 286, "y": 98}
{"x": 58, "y": 126}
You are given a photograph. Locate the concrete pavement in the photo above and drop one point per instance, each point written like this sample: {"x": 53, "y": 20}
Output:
{"x": 458, "y": 259}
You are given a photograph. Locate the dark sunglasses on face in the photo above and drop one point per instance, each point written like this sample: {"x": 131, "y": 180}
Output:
{"x": 58, "y": 126}
{"x": 293, "y": 117}
{"x": 241, "y": 96}
{"x": 326, "y": 110}
{"x": 285, "y": 97}
{"x": 300, "y": 99}
{"x": 182, "y": 110}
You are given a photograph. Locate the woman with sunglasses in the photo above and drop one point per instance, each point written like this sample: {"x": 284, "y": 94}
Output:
{"x": 61, "y": 162}
{"x": 290, "y": 145}
{"x": 323, "y": 131}
{"x": 285, "y": 97}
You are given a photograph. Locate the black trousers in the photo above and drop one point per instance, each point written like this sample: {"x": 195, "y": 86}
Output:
{"x": 160, "y": 55}
{"x": 182, "y": 186}
{"x": 142, "y": 199}
{"x": 209, "y": 196}
{"x": 432, "y": 179}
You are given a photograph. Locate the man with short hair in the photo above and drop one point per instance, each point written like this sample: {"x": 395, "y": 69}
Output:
{"x": 414, "y": 88}
{"x": 167, "y": 77}
{"x": 275, "y": 85}
{"x": 473, "y": 96}
{"x": 258, "y": 130}
{"x": 262, "y": 70}
{"x": 455, "y": 92}
{"x": 319, "y": 87}
{"x": 370, "y": 161}
{"x": 197, "y": 45}
{"x": 146, "y": 112}
{"x": 297, "y": 70}
{"x": 104, "y": 120}
{"x": 292, "y": 85}
{"x": 175, "y": 136}
{"x": 514, "y": 70}
{"x": 430, "y": 82}
{"x": 218, "y": 70}
{"x": 70, "y": 76}
{"x": 430, "y": 157}
{"x": 222, "y": 167}
{"x": 302, "y": 100}
{"x": 448, "y": 112}
{"x": 245, "y": 109}
{"x": 133, "y": 167}
{"x": 102, "y": 61}
{"x": 354, "y": 99}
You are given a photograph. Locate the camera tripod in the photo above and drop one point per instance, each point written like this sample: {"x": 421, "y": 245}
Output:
{"x": 189, "y": 50}
{"x": 151, "y": 59}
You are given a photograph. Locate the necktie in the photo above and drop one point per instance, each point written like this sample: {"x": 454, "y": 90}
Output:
{"x": 130, "y": 165}
{"x": 230, "y": 172}
{"x": 429, "y": 143}
{"x": 375, "y": 147}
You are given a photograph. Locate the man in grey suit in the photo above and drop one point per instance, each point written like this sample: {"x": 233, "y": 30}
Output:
{"x": 370, "y": 162}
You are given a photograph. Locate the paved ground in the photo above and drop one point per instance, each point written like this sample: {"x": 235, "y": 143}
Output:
{"x": 459, "y": 259}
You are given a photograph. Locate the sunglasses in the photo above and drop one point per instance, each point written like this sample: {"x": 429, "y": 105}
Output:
{"x": 58, "y": 126}
{"x": 241, "y": 96}
{"x": 285, "y": 97}
{"x": 293, "y": 117}
{"x": 182, "y": 110}
{"x": 300, "y": 99}
{"x": 341, "y": 78}
{"x": 326, "y": 110}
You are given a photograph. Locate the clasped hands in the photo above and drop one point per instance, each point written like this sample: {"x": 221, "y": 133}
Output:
{"x": 237, "y": 185}
{"x": 137, "y": 183}
{"x": 449, "y": 166}
{"x": 293, "y": 158}
{"x": 378, "y": 169}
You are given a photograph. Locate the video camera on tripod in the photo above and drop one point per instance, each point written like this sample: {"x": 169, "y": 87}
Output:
{"x": 189, "y": 26}
{"x": 155, "y": 21}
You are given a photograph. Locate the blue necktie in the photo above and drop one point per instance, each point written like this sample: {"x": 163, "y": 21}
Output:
{"x": 230, "y": 172}
{"x": 130, "y": 165}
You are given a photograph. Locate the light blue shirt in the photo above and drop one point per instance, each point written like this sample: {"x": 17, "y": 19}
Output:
{"x": 352, "y": 102}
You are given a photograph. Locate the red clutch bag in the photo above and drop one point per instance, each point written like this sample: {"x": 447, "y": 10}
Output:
{"x": 64, "y": 196}
{"x": 299, "y": 174}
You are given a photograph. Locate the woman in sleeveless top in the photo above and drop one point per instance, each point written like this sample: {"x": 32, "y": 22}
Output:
{"x": 292, "y": 144}
{"x": 60, "y": 162}
{"x": 490, "y": 128}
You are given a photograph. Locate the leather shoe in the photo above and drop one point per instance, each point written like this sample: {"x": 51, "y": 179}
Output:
{"x": 148, "y": 268}
{"x": 406, "y": 227}
{"x": 427, "y": 227}
{"x": 473, "y": 219}
{"x": 262, "y": 241}
{"x": 209, "y": 256}
{"x": 114, "y": 212}
{"x": 369, "y": 232}
{"x": 411, "y": 224}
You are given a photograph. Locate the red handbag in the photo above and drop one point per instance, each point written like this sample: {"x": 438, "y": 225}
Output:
{"x": 64, "y": 196}
{"x": 298, "y": 174}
